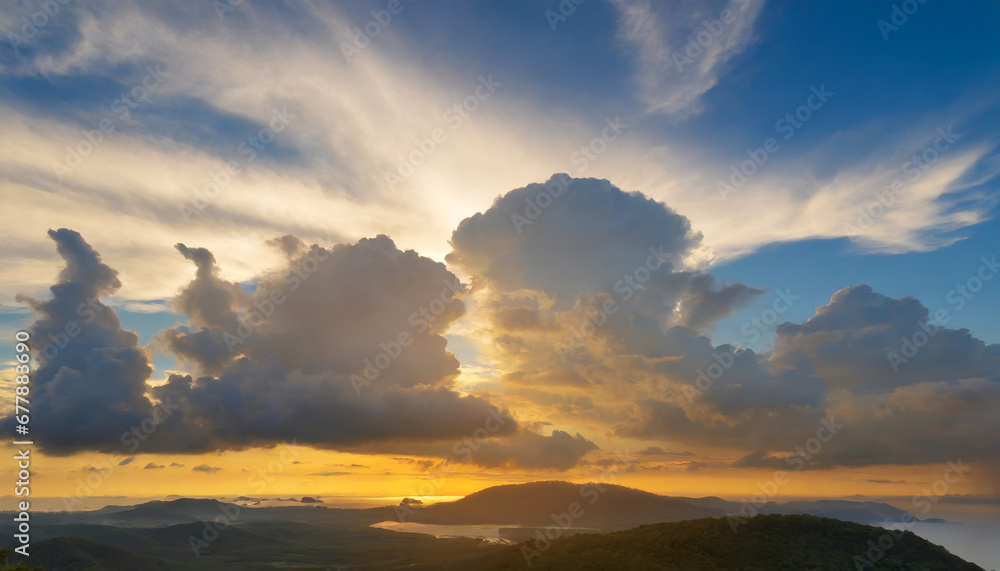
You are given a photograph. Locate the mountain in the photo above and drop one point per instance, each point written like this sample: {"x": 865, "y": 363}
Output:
{"x": 858, "y": 512}
{"x": 613, "y": 507}
{"x": 73, "y": 553}
{"x": 864, "y": 512}
{"x": 250, "y": 546}
{"x": 765, "y": 542}
{"x": 603, "y": 506}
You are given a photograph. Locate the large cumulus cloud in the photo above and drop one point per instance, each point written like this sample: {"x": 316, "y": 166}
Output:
{"x": 86, "y": 361}
{"x": 581, "y": 296}
{"x": 576, "y": 339}
{"x": 938, "y": 405}
{"x": 341, "y": 349}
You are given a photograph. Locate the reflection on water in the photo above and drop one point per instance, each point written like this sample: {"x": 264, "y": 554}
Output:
{"x": 486, "y": 532}
{"x": 975, "y": 542}
{"x": 493, "y": 533}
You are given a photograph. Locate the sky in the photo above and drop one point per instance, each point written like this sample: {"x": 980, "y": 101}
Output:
{"x": 397, "y": 248}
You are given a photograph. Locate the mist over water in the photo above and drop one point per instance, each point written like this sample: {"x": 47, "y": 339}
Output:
{"x": 975, "y": 542}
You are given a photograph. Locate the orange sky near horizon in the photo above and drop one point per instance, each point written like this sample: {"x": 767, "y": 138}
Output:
{"x": 304, "y": 471}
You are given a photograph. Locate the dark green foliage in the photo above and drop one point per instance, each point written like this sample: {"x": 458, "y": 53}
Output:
{"x": 20, "y": 566}
{"x": 765, "y": 542}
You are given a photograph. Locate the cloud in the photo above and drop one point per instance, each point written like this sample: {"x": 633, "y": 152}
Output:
{"x": 342, "y": 349}
{"x": 590, "y": 288}
{"x": 861, "y": 330}
{"x": 589, "y": 312}
{"x": 127, "y": 461}
{"x": 657, "y": 451}
{"x": 314, "y": 326}
{"x": 152, "y": 466}
{"x": 934, "y": 408}
{"x": 682, "y": 48}
{"x": 559, "y": 451}
{"x": 190, "y": 127}
{"x": 592, "y": 234}
{"x": 90, "y": 386}
{"x": 206, "y": 468}
{"x": 577, "y": 339}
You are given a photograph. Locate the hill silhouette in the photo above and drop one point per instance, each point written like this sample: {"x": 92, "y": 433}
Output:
{"x": 764, "y": 542}
{"x": 73, "y": 553}
{"x": 614, "y": 507}
{"x": 604, "y": 506}
{"x": 761, "y": 543}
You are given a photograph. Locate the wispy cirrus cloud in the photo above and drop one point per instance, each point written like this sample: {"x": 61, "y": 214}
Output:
{"x": 682, "y": 47}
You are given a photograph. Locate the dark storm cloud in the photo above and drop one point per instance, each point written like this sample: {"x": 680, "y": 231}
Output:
{"x": 91, "y": 382}
{"x": 509, "y": 449}
{"x": 251, "y": 405}
{"x": 560, "y": 451}
{"x": 211, "y": 304}
{"x": 277, "y": 365}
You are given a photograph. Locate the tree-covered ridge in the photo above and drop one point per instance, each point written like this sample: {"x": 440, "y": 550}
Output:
{"x": 764, "y": 542}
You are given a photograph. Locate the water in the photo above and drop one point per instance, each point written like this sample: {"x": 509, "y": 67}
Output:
{"x": 487, "y": 532}
{"x": 975, "y": 542}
